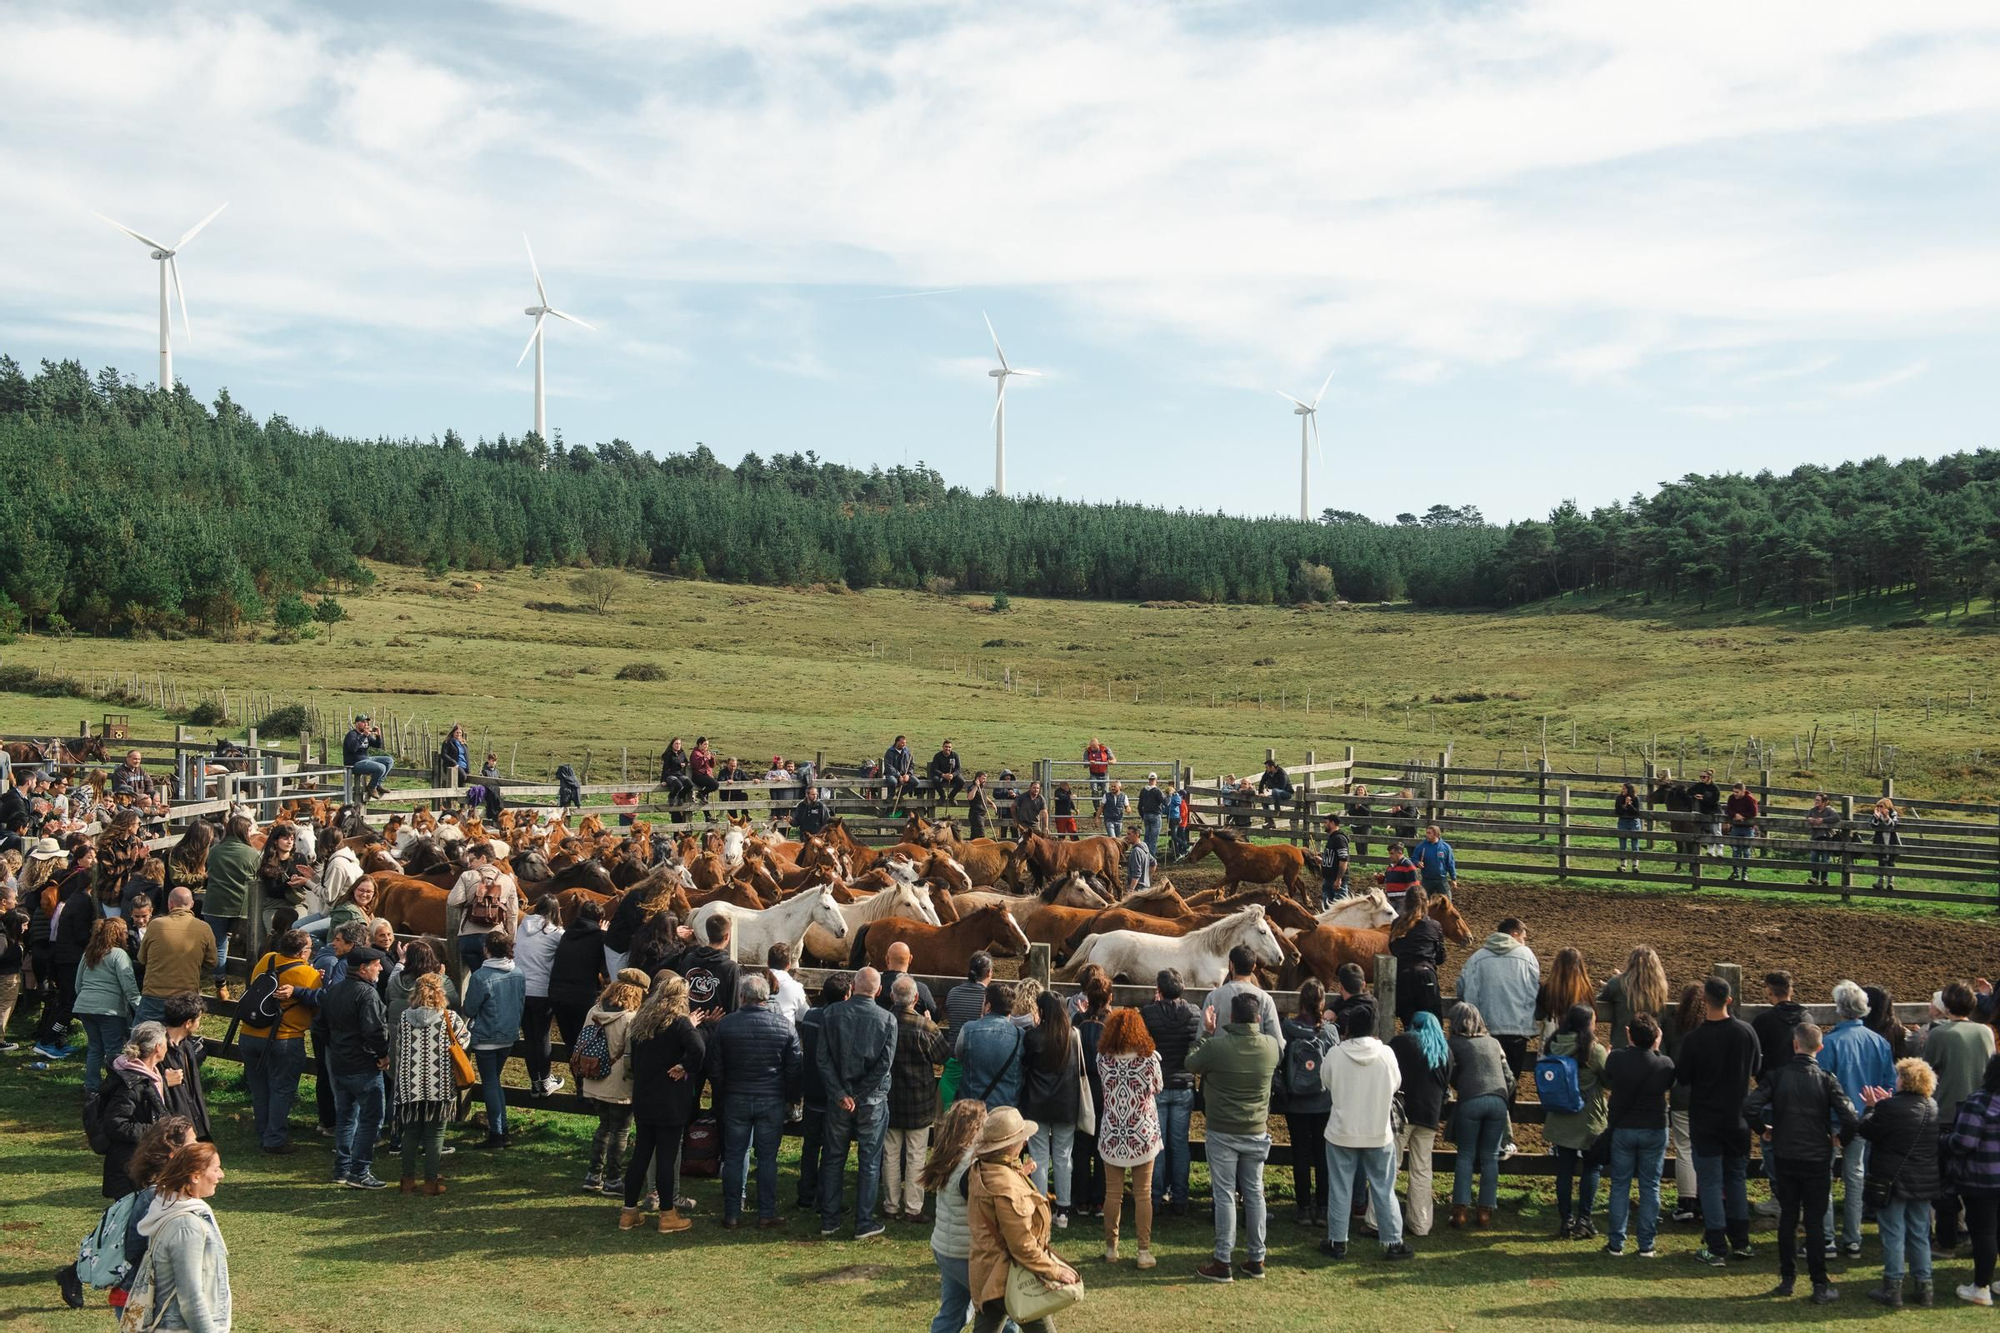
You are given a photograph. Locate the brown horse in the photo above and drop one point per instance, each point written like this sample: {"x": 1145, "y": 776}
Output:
{"x": 412, "y": 906}
{"x": 939, "y": 951}
{"x": 1252, "y": 863}
{"x": 1323, "y": 949}
{"x": 1050, "y": 858}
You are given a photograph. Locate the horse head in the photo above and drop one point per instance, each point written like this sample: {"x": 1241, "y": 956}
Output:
{"x": 825, "y": 913}
{"x": 1445, "y": 913}
{"x": 1004, "y": 932}
{"x": 943, "y": 865}
{"x": 912, "y": 900}
{"x": 1255, "y": 931}
{"x": 1206, "y": 843}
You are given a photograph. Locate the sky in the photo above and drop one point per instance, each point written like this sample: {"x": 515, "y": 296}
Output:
{"x": 1546, "y": 250}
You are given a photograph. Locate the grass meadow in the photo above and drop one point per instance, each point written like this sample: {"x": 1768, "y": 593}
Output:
{"x": 530, "y": 669}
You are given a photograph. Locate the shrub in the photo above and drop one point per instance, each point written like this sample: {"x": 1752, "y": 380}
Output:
{"x": 939, "y": 586}
{"x": 287, "y": 721}
{"x": 1001, "y": 602}
{"x": 1003, "y": 643}
{"x": 596, "y": 586}
{"x": 291, "y": 613}
{"x": 640, "y": 671}
{"x": 204, "y": 713}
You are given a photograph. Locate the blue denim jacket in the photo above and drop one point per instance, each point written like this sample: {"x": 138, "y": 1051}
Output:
{"x": 990, "y": 1055}
{"x": 1859, "y": 1058}
{"x": 495, "y": 994}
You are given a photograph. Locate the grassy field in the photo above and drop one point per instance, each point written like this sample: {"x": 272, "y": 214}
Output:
{"x": 515, "y": 1245}
{"x": 525, "y": 664}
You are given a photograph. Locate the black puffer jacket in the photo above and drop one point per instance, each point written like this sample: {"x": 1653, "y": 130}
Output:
{"x": 576, "y": 974}
{"x": 1800, "y": 1102}
{"x": 1051, "y": 1095}
{"x": 657, "y": 1098}
{"x": 1902, "y": 1156}
{"x": 1174, "y": 1026}
{"x": 1774, "y": 1034}
{"x": 130, "y": 1105}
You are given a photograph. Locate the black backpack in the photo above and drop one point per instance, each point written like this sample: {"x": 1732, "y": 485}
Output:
{"x": 260, "y": 1006}
{"x": 1300, "y": 1068}
{"x": 93, "y": 1122}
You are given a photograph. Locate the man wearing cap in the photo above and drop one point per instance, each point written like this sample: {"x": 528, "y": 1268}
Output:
{"x": 1152, "y": 808}
{"x": 1236, "y": 1065}
{"x": 370, "y": 771}
{"x": 943, "y": 773}
{"x": 1333, "y": 859}
{"x": 358, "y": 1024}
{"x": 1008, "y": 1220}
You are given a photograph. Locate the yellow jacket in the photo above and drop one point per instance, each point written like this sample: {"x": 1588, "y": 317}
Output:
{"x": 296, "y": 1017}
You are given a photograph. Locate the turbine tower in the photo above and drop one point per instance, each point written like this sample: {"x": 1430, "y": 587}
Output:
{"x": 1000, "y": 378}
{"x": 1308, "y": 415}
{"x": 165, "y": 255}
{"x": 541, "y": 313}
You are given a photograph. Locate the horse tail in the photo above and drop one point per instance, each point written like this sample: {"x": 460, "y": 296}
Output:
{"x": 857, "y": 957}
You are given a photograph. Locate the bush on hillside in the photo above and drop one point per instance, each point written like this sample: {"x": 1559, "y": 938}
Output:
{"x": 640, "y": 671}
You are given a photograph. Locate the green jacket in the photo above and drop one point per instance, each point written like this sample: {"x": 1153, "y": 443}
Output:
{"x": 232, "y": 880}
{"x": 1236, "y": 1066}
{"x": 1957, "y": 1049}
{"x": 1575, "y": 1129}
{"x": 110, "y": 988}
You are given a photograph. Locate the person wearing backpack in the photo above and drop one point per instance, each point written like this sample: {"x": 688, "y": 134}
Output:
{"x": 106, "y": 1258}
{"x": 1305, "y": 1101}
{"x": 1573, "y": 1121}
{"x": 1362, "y": 1078}
{"x": 272, "y": 1040}
{"x": 183, "y": 1282}
{"x": 1417, "y": 944}
{"x": 494, "y": 997}
{"x": 486, "y": 899}
{"x": 601, "y": 1063}
{"x": 131, "y": 1098}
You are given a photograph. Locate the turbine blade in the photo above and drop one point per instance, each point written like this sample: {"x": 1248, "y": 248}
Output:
{"x": 1317, "y": 447}
{"x": 531, "y": 340}
{"x": 1288, "y": 398}
{"x": 1322, "y": 388}
{"x": 998, "y": 399}
{"x": 996, "y": 340}
{"x": 187, "y": 329}
{"x": 1032, "y": 374}
{"x": 540, "y": 290}
{"x": 198, "y": 226}
{"x": 572, "y": 319}
{"x": 142, "y": 239}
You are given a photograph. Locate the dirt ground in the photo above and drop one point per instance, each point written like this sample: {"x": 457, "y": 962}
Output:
{"x": 1908, "y": 954}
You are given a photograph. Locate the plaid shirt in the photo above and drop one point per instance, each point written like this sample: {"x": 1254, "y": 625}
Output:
{"x": 920, "y": 1049}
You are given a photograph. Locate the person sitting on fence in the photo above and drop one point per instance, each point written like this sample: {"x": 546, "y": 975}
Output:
{"x": 491, "y": 768}
{"x": 701, "y": 769}
{"x": 674, "y": 772}
{"x": 131, "y": 779}
{"x": 1111, "y": 810}
{"x": 899, "y": 771}
{"x": 1275, "y": 788}
{"x": 1334, "y": 859}
{"x": 371, "y": 771}
{"x": 1742, "y": 811}
{"x": 943, "y": 771}
{"x": 1064, "y": 813}
{"x": 456, "y": 753}
{"x": 1139, "y": 864}
{"x": 812, "y": 815}
{"x": 731, "y": 771}
{"x": 1437, "y": 867}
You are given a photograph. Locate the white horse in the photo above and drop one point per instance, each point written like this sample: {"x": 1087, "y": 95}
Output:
{"x": 908, "y": 900}
{"x": 1360, "y": 911}
{"x": 732, "y": 846}
{"x": 754, "y": 932}
{"x": 1202, "y": 956}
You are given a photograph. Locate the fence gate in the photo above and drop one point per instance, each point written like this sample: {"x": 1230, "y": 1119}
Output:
{"x": 1130, "y": 773}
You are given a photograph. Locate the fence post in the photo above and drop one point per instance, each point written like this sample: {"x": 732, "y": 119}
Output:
{"x": 1385, "y": 986}
{"x": 181, "y": 763}
{"x": 1036, "y": 965}
{"x": 1732, "y": 974}
{"x": 1562, "y": 834}
{"x": 1647, "y": 796}
{"x": 1763, "y": 807}
{"x": 1846, "y": 846}
{"x": 1542, "y": 798}
{"x": 1347, "y": 774}
{"x": 1302, "y": 820}
{"x": 1695, "y": 852}
{"x": 1441, "y": 793}
{"x": 1431, "y": 803}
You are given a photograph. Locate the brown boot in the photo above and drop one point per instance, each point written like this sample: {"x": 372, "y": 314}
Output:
{"x": 1458, "y": 1214}
{"x": 628, "y": 1218}
{"x": 409, "y": 1184}
{"x": 1485, "y": 1216}
{"x": 671, "y": 1221}
{"x": 434, "y": 1186}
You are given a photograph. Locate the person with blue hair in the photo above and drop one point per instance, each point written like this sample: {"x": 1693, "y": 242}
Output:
{"x": 1424, "y": 1057}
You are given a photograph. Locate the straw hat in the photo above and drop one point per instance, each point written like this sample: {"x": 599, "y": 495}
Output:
{"x": 46, "y": 849}
{"x": 1004, "y": 1129}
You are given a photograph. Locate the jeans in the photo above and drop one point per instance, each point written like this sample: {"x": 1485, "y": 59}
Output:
{"x": 1054, "y": 1151}
{"x": 152, "y": 1009}
{"x": 1569, "y": 1166}
{"x": 748, "y": 1121}
{"x": 1114, "y": 828}
{"x": 1725, "y": 1207}
{"x": 423, "y": 1141}
{"x": 1180, "y": 841}
{"x": 1641, "y": 1153}
{"x": 224, "y": 927}
{"x": 376, "y": 771}
{"x": 812, "y": 1146}
{"x": 1740, "y": 839}
{"x": 954, "y": 1294}
{"x": 357, "y": 1102}
{"x": 864, "y": 1127}
{"x": 271, "y": 1066}
{"x": 902, "y": 1162}
{"x": 1478, "y": 1128}
{"x": 1378, "y": 1167}
{"x": 1151, "y": 834}
{"x": 472, "y": 951}
{"x": 1170, "y": 1174}
{"x": 1822, "y": 859}
{"x": 614, "y": 1135}
{"x": 1332, "y": 888}
{"x": 1854, "y": 1178}
{"x": 1236, "y": 1166}
{"x": 1308, "y": 1168}
{"x": 1802, "y": 1194}
{"x": 1628, "y": 836}
{"x": 491, "y": 1062}
{"x": 1906, "y": 1232}
{"x": 105, "y": 1037}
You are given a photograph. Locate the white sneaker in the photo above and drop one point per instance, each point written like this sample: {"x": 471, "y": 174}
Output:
{"x": 1975, "y": 1295}
{"x": 1146, "y": 1259}
{"x": 1508, "y": 1150}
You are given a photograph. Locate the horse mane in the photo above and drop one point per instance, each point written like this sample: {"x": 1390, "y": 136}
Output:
{"x": 1225, "y": 835}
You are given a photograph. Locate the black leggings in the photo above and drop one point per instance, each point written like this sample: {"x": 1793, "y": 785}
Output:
{"x": 663, "y": 1141}
{"x": 992, "y": 1317}
{"x": 1308, "y": 1134}
{"x": 1086, "y": 1177}
{"x": 535, "y": 1014}
{"x": 569, "y": 1021}
{"x": 1982, "y": 1219}
{"x": 704, "y": 786}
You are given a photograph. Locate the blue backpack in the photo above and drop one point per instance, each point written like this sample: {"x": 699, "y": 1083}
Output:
{"x": 1556, "y": 1084}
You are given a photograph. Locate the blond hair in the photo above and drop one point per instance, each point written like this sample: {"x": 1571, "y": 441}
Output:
{"x": 1026, "y": 991}
{"x": 428, "y": 993}
{"x": 1914, "y": 1075}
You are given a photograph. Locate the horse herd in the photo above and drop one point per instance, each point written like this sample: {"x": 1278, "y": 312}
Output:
{"x": 841, "y": 903}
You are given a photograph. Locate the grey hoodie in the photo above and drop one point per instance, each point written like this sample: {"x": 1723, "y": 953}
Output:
{"x": 1501, "y": 981}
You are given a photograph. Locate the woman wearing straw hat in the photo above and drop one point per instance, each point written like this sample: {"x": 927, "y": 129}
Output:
{"x": 1009, "y": 1221}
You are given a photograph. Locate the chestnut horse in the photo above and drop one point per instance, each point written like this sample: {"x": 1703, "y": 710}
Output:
{"x": 1323, "y": 949}
{"x": 939, "y": 951}
{"x": 1252, "y": 863}
{"x": 1049, "y": 858}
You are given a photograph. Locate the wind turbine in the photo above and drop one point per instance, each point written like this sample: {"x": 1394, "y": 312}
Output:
{"x": 165, "y": 255}
{"x": 541, "y": 313}
{"x": 1000, "y": 377}
{"x": 1308, "y": 415}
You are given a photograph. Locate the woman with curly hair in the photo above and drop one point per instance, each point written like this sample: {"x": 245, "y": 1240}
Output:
{"x": 668, "y": 1051}
{"x": 951, "y": 1238}
{"x": 1639, "y": 988}
{"x": 1128, "y": 1125}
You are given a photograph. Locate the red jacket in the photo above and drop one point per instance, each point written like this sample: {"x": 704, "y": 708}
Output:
{"x": 702, "y": 762}
{"x": 1744, "y": 806}
{"x": 1099, "y": 757}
